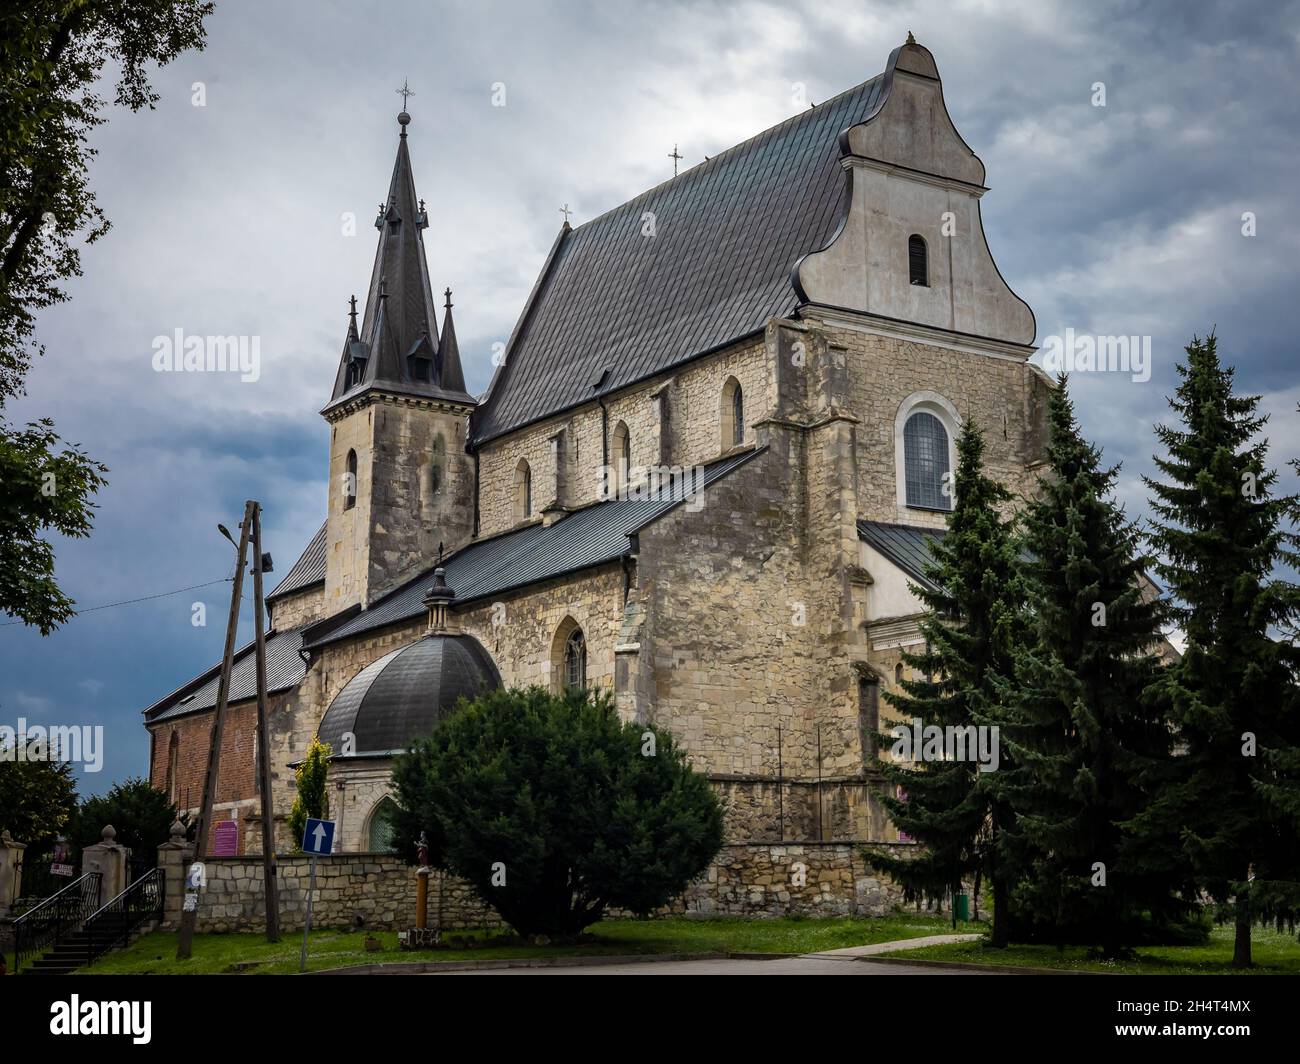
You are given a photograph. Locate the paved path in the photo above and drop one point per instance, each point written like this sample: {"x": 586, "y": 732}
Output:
{"x": 848, "y": 961}
{"x": 810, "y": 965}
{"x": 889, "y": 947}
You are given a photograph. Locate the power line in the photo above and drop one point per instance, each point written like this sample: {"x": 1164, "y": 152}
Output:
{"x": 129, "y": 602}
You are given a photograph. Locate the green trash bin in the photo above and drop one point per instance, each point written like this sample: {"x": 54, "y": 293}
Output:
{"x": 962, "y": 902}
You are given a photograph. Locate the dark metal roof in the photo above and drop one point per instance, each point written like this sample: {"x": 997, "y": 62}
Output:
{"x": 405, "y": 693}
{"x": 284, "y": 669}
{"x": 400, "y": 320}
{"x": 906, "y": 546}
{"x": 488, "y": 567}
{"x": 727, "y": 234}
{"x": 307, "y": 570}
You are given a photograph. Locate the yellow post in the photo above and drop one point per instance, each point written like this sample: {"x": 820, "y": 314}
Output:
{"x": 422, "y": 899}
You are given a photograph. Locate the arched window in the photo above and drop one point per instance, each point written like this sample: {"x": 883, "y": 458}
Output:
{"x": 523, "y": 491}
{"x": 568, "y": 657}
{"x": 575, "y": 661}
{"x": 926, "y": 462}
{"x": 379, "y": 836}
{"x": 173, "y": 748}
{"x": 435, "y": 465}
{"x": 918, "y": 266}
{"x": 350, "y": 482}
{"x": 898, "y": 674}
{"x": 733, "y": 414}
{"x": 620, "y": 458}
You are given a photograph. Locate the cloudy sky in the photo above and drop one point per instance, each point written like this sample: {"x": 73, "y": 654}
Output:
{"x": 232, "y": 218}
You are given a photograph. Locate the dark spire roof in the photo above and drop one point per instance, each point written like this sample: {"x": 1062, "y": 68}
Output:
{"x": 397, "y": 348}
{"x": 449, "y": 371}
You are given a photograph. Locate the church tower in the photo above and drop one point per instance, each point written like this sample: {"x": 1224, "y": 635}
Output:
{"x": 401, "y": 481}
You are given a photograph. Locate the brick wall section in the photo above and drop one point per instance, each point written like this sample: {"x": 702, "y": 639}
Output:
{"x": 237, "y": 794}
{"x": 237, "y": 782}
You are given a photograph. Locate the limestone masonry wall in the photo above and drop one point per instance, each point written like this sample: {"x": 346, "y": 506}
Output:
{"x": 1001, "y": 394}
{"x": 693, "y": 434}
{"x": 377, "y": 891}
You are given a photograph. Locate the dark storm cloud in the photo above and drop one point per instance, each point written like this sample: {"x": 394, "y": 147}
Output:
{"x": 231, "y": 219}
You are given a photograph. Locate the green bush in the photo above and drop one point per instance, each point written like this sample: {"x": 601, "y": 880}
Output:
{"x": 553, "y": 810}
{"x": 312, "y": 800}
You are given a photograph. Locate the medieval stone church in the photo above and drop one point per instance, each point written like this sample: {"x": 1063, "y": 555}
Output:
{"x": 704, "y": 476}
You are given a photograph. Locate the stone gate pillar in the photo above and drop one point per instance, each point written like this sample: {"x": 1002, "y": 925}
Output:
{"x": 174, "y": 860}
{"x": 108, "y": 859}
{"x": 11, "y": 871}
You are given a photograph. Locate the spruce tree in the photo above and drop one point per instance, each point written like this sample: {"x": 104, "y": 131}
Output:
{"x": 1232, "y": 802}
{"x": 970, "y": 632}
{"x": 1079, "y": 732}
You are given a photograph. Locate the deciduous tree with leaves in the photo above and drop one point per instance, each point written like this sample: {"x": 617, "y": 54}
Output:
{"x": 54, "y": 56}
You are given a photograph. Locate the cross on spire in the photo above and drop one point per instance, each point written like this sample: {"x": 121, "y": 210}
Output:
{"x": 566, "y": 212}
{"x": 404, "y": 92}
{"x": 674, "y": 156}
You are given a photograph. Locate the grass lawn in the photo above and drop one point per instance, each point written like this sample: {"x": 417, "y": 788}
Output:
{"x": 1274, "y": 954}
{"x": 156, "y": 953}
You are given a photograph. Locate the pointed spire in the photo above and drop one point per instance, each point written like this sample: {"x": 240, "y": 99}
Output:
{"x": 399, "y": 329}
{"x": 449, "y": 371}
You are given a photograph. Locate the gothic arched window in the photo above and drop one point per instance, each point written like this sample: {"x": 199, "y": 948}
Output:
{"x": 620, "y": 458}
{"x": 575, "y": 661}
{"x": 925, "y": 461}
{"x": 350, "y": 482}
{"x": 173, "y": 749}
{"x": 733, "y": 414}
{"x": 379, "y": 836}
{"x": 523, "y": 491}
{"x": 918, "y": 266}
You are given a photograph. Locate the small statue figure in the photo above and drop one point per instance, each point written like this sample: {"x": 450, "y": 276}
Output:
{"x": 422, "y": 850}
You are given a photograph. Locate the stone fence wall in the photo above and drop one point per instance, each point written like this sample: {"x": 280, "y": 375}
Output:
{"x": 353, "y": 890}
{"x": 377, "y": 890}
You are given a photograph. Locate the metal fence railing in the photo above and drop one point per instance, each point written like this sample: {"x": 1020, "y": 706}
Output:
{"x": 64, "y": 912}
{"x": 111, "y": 925}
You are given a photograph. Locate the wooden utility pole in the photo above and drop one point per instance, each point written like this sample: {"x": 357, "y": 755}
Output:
{"x": 189, "y": 913}
{"x": 270, "y": 886}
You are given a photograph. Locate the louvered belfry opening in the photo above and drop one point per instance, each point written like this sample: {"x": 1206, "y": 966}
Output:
{"x": 917, "y": 264}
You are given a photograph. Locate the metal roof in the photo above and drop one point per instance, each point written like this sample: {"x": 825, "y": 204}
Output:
{"x": 284, "y": 669}
{"x": 591, "y": 536}
{"x": 307, "y": 570}
{"x": 727, "y": 234}
{"x": 906, "y": 546}
{"x": 401, "y": 696}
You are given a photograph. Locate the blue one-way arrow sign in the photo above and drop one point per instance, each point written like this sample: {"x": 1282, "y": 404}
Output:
{"x": 318, "y": 837}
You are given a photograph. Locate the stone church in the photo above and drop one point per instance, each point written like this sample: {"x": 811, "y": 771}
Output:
{"x": 704, "y": 476}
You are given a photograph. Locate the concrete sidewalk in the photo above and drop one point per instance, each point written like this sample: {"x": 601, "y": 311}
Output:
{"x": 852, "y": 952}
